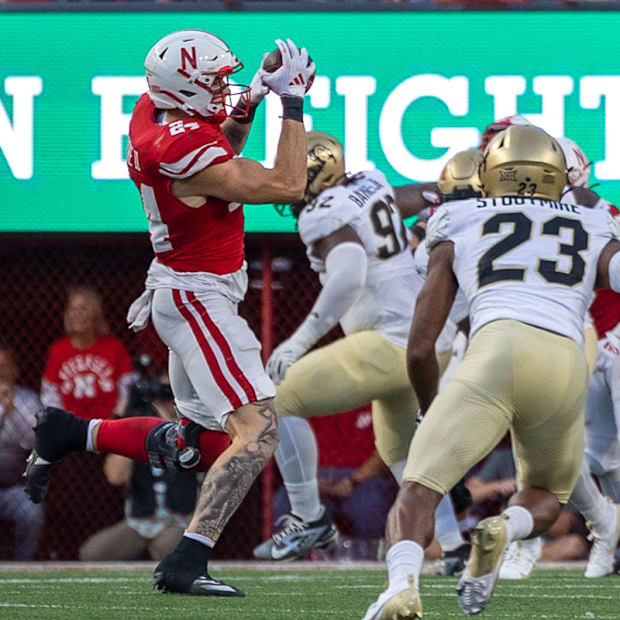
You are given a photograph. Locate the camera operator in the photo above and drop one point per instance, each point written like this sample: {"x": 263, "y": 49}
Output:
{"x": 159, "y": 502}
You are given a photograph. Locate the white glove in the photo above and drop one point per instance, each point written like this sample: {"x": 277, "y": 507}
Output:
{"x": 433, "y": 197}
{"x": 284, "y": 356}
{"x": 258, "y": 90}
{"x": 295, "y": 76}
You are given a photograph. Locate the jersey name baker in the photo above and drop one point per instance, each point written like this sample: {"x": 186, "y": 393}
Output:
{"x": 365, "y": 203}
{"x": 361, "y": 194}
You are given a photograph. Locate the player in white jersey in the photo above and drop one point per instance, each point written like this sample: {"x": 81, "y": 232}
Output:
{"x": 528, "y": 265}
{"x": 357, "y": 242}
{"x": 602, "y": 456}
{"x": 459, "y": 180}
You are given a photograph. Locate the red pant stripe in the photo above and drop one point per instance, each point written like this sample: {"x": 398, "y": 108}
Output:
{"x": 207, "y": 352}
{"x": 222, "y": 343}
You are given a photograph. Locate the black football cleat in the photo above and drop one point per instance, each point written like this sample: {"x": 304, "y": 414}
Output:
{"x": 297, "y": 538}
{"x": 453, "y": 562}
{"x": 57, "y": 433}
{"x": 174, "y": 575}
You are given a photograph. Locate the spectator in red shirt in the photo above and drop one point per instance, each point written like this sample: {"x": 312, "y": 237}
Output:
{"x": 89, "y": 371}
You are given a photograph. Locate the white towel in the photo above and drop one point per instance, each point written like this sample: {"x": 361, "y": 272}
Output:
{"x": 140, "y": 311}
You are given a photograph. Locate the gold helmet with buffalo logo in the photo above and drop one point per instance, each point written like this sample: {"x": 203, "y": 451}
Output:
{"x": 523, "y": 160}
{"x": 325, "y": 163}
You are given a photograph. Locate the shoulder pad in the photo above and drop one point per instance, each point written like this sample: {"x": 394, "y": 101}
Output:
{"x": 437, "y": 228}
{"x": 328, "y": 212}
{"x": 377, "y": 175}
{"x": 614, "y": 226}
{"x": 420, "y": 258}
{"x": 191, "y": 146}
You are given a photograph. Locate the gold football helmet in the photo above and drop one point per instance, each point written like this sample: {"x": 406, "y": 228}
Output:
{"x": 459, "y": 178}
{"x": 523, "y": 161}
{"x": 325, "y": 163}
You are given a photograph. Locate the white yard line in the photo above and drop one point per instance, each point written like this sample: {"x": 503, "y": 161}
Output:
{"x": 234, "y": 565}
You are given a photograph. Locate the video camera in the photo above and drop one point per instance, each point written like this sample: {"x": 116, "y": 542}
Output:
{"x": 146, "y": 388}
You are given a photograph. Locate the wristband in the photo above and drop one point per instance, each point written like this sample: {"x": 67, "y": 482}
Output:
{"x": 241, "y": 118}
{"x": 292, "y": 108}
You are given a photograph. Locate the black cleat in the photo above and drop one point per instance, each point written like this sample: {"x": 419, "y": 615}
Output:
{"x": 297, "y": 538}
{"x": 453, "y": 562}
{"x": 181, "y": 577}
{"x": 37, "y": 477}
{"x": 56, "y": 434}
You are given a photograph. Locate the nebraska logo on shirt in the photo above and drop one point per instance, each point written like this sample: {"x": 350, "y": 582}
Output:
{"x": 86, "y": 381}
{"x": 83, "y": 373}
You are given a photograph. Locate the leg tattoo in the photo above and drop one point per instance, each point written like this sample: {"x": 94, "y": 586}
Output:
{"x": 232, "y": 474}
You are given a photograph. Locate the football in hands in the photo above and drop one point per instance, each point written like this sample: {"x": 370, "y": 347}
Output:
{"x": 273, "y": 61}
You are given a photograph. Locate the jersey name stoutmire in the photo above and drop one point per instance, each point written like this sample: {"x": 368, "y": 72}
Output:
{"x": 500, "y": 244}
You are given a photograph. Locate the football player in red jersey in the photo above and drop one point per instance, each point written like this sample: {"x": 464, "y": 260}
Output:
{"x": 183, "y": 138}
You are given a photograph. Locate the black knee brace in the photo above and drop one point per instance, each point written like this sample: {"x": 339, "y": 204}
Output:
{"x": 167, "y": 452}
{"x": 461, "y": 497}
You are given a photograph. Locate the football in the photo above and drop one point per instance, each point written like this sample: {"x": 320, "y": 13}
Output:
{"x": 273, "y": 61}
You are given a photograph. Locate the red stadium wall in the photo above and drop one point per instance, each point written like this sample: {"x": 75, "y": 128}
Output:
{"x": 35, "y": 273}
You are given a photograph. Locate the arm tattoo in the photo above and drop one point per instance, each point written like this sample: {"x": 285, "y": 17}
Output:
{"x": 236, "y": 135}
{"x": 227, "y": 482}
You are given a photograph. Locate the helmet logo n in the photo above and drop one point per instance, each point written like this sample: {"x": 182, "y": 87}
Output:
{"x": 579, "y": 155}
{"x": 187, "y": 57}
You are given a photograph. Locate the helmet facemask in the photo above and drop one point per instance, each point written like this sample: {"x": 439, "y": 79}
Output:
{"x": 189, "y": 70}
{"x": 577, "y": 164}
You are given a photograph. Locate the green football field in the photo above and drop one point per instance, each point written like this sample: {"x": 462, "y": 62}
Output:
{"x": 341, "y": 593}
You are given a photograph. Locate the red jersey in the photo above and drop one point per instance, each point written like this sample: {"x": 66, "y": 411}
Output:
{"x": 344, "y": 439}
{"x": 86, "y": 382}
{"x": 605, "y": 311}
{"x": 186, "y": 239}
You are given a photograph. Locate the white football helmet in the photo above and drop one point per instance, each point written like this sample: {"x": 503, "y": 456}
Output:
{"x": 188, "y": 70}
{"x": 499, "y": 125}
{"x": 577, "y": 164}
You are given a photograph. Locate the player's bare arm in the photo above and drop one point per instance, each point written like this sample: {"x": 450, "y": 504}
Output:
{"x": 431, "y": 311}
{"x": 247, "y": 181}
{"x": 585, "y": 196}
{"x": 237, "y": 128}
{"x": 410, "y": 199}
{"x": 604, "y": 277}
{"x": 236, "y": 133}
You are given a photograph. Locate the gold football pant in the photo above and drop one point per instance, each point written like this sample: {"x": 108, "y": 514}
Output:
{"x": 590, "y": 347}
{"x": 513, "y": 377}
{"x": 349, "y": 373}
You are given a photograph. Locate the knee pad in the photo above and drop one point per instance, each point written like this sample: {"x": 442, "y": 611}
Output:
{"x": 174, "y": 446}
